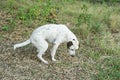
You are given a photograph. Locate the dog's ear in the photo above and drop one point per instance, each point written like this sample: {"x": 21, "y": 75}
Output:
{"x": 69, "y": 44}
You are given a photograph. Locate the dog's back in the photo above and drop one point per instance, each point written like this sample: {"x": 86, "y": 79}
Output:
{"x": 49, "y": 31}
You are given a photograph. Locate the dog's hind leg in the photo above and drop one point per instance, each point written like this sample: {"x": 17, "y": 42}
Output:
{"x": 41, "y": 58}
{"x": 41, "y": 46}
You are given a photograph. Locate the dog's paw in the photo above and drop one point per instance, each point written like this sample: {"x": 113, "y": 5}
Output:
{"x": 14, "y": 47}
{"x": 53, "y": 59}
{"x": 46, "y": 62}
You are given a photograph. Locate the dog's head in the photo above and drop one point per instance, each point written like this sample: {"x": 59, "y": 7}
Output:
{"x": 72, "y": 45}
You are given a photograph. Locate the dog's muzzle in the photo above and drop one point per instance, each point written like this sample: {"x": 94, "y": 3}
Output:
{"x": 72, "y": 55}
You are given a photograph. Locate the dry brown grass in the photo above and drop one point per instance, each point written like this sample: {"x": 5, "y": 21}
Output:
{"x": 23, "y": 64}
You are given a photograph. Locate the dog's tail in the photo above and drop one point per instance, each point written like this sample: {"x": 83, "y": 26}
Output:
{"x": 22, "y": 44}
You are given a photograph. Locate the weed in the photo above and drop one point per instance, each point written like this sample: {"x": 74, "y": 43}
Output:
{"x": 48, "y": 12}
{"x": 97, "y": 27}
{"x": 84, "y": 17}
{"x": 5, "y": 28}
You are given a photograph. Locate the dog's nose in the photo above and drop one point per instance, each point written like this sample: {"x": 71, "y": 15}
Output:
{"x": 72, "y": 55}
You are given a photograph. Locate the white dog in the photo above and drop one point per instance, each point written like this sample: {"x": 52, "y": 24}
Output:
{"x": 52, "y": 33}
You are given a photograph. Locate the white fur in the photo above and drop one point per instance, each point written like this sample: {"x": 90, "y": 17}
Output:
{"x": 52, "y": 33}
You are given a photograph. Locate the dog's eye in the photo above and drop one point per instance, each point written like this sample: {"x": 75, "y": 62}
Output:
{"x": 72, "y": 49}
{"x": 74, "y": 39}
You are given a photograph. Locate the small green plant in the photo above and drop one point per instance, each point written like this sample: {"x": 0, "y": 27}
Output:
{"x": 10, "y": 6}
{"x": 97, "y": 27}
{"x": 84, "y": 21}
{"x": 48, "y": 11}
{"x": 84, "y": 17}
{"x": 5, "y": 28}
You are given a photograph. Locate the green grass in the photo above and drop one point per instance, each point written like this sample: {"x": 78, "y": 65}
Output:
{"x": 97, "y": 27}
{"x": 108, "y": 69}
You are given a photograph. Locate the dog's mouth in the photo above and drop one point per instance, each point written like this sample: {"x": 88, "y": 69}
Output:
{"x": 72, "y": 55}
{"x": 71, "y": 52}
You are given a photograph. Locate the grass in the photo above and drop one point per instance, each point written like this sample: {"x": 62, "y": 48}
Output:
{"x": 97, "y": 27}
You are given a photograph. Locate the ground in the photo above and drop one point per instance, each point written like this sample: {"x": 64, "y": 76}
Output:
{"x": 97, "y": 58}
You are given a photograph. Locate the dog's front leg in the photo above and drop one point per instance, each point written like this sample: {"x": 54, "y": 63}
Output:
{"x": 53, "y": 51}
